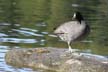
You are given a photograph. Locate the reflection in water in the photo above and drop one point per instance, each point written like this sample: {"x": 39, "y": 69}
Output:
{"x": 31, "y": 23}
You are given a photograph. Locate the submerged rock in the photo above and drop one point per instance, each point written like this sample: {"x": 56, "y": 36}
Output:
{"x": 57, "y": 60}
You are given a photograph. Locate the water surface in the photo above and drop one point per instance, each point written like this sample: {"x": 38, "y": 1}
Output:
{"x": 30, "y": 24}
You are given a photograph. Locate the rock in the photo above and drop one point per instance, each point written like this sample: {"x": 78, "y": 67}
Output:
{"x": 84, "y": 65}
{"x": 56, "y": 60}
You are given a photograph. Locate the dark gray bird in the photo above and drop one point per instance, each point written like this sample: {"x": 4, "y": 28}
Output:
{"x": 73, "y": 30}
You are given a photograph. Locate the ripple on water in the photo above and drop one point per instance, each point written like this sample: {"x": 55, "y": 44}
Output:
{"x": 28, "y": 33}
{"x": 18, "y": 40}
{"x": 33, "y": 30}
{"x": 3, "y": 35}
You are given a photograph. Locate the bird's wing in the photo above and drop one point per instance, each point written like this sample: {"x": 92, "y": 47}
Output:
{"x": 72, "y": 27}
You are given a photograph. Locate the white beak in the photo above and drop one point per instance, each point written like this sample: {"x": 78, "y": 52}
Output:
{"x": 74, "y": 16}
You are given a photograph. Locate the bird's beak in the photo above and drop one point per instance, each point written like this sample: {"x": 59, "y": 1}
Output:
{"x": 74, "y": 16}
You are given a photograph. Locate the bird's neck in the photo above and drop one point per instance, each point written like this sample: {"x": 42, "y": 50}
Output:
{"x": 80, "y": 21}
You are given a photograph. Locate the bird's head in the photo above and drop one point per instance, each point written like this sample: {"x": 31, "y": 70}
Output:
{"x": 77, "y": 16}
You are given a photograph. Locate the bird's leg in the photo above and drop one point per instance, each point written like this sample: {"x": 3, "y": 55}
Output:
{"x": 70, "y": 49}
{"x": 73, "y": 51}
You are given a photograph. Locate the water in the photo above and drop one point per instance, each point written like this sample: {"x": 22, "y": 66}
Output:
{"x": 30, "y": 24}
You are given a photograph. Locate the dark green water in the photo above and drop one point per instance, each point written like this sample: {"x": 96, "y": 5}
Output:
{"x": 30, "y": 24}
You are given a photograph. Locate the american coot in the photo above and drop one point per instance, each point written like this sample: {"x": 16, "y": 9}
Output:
{"x": 73, "y": 30}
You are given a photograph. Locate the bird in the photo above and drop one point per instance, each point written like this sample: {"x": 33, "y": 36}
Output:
{"x": 74, "y": 30}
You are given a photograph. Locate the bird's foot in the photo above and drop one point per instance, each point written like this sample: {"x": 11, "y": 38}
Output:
{"x": 71, "y": 50}
{"x": 74, "y": 52}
